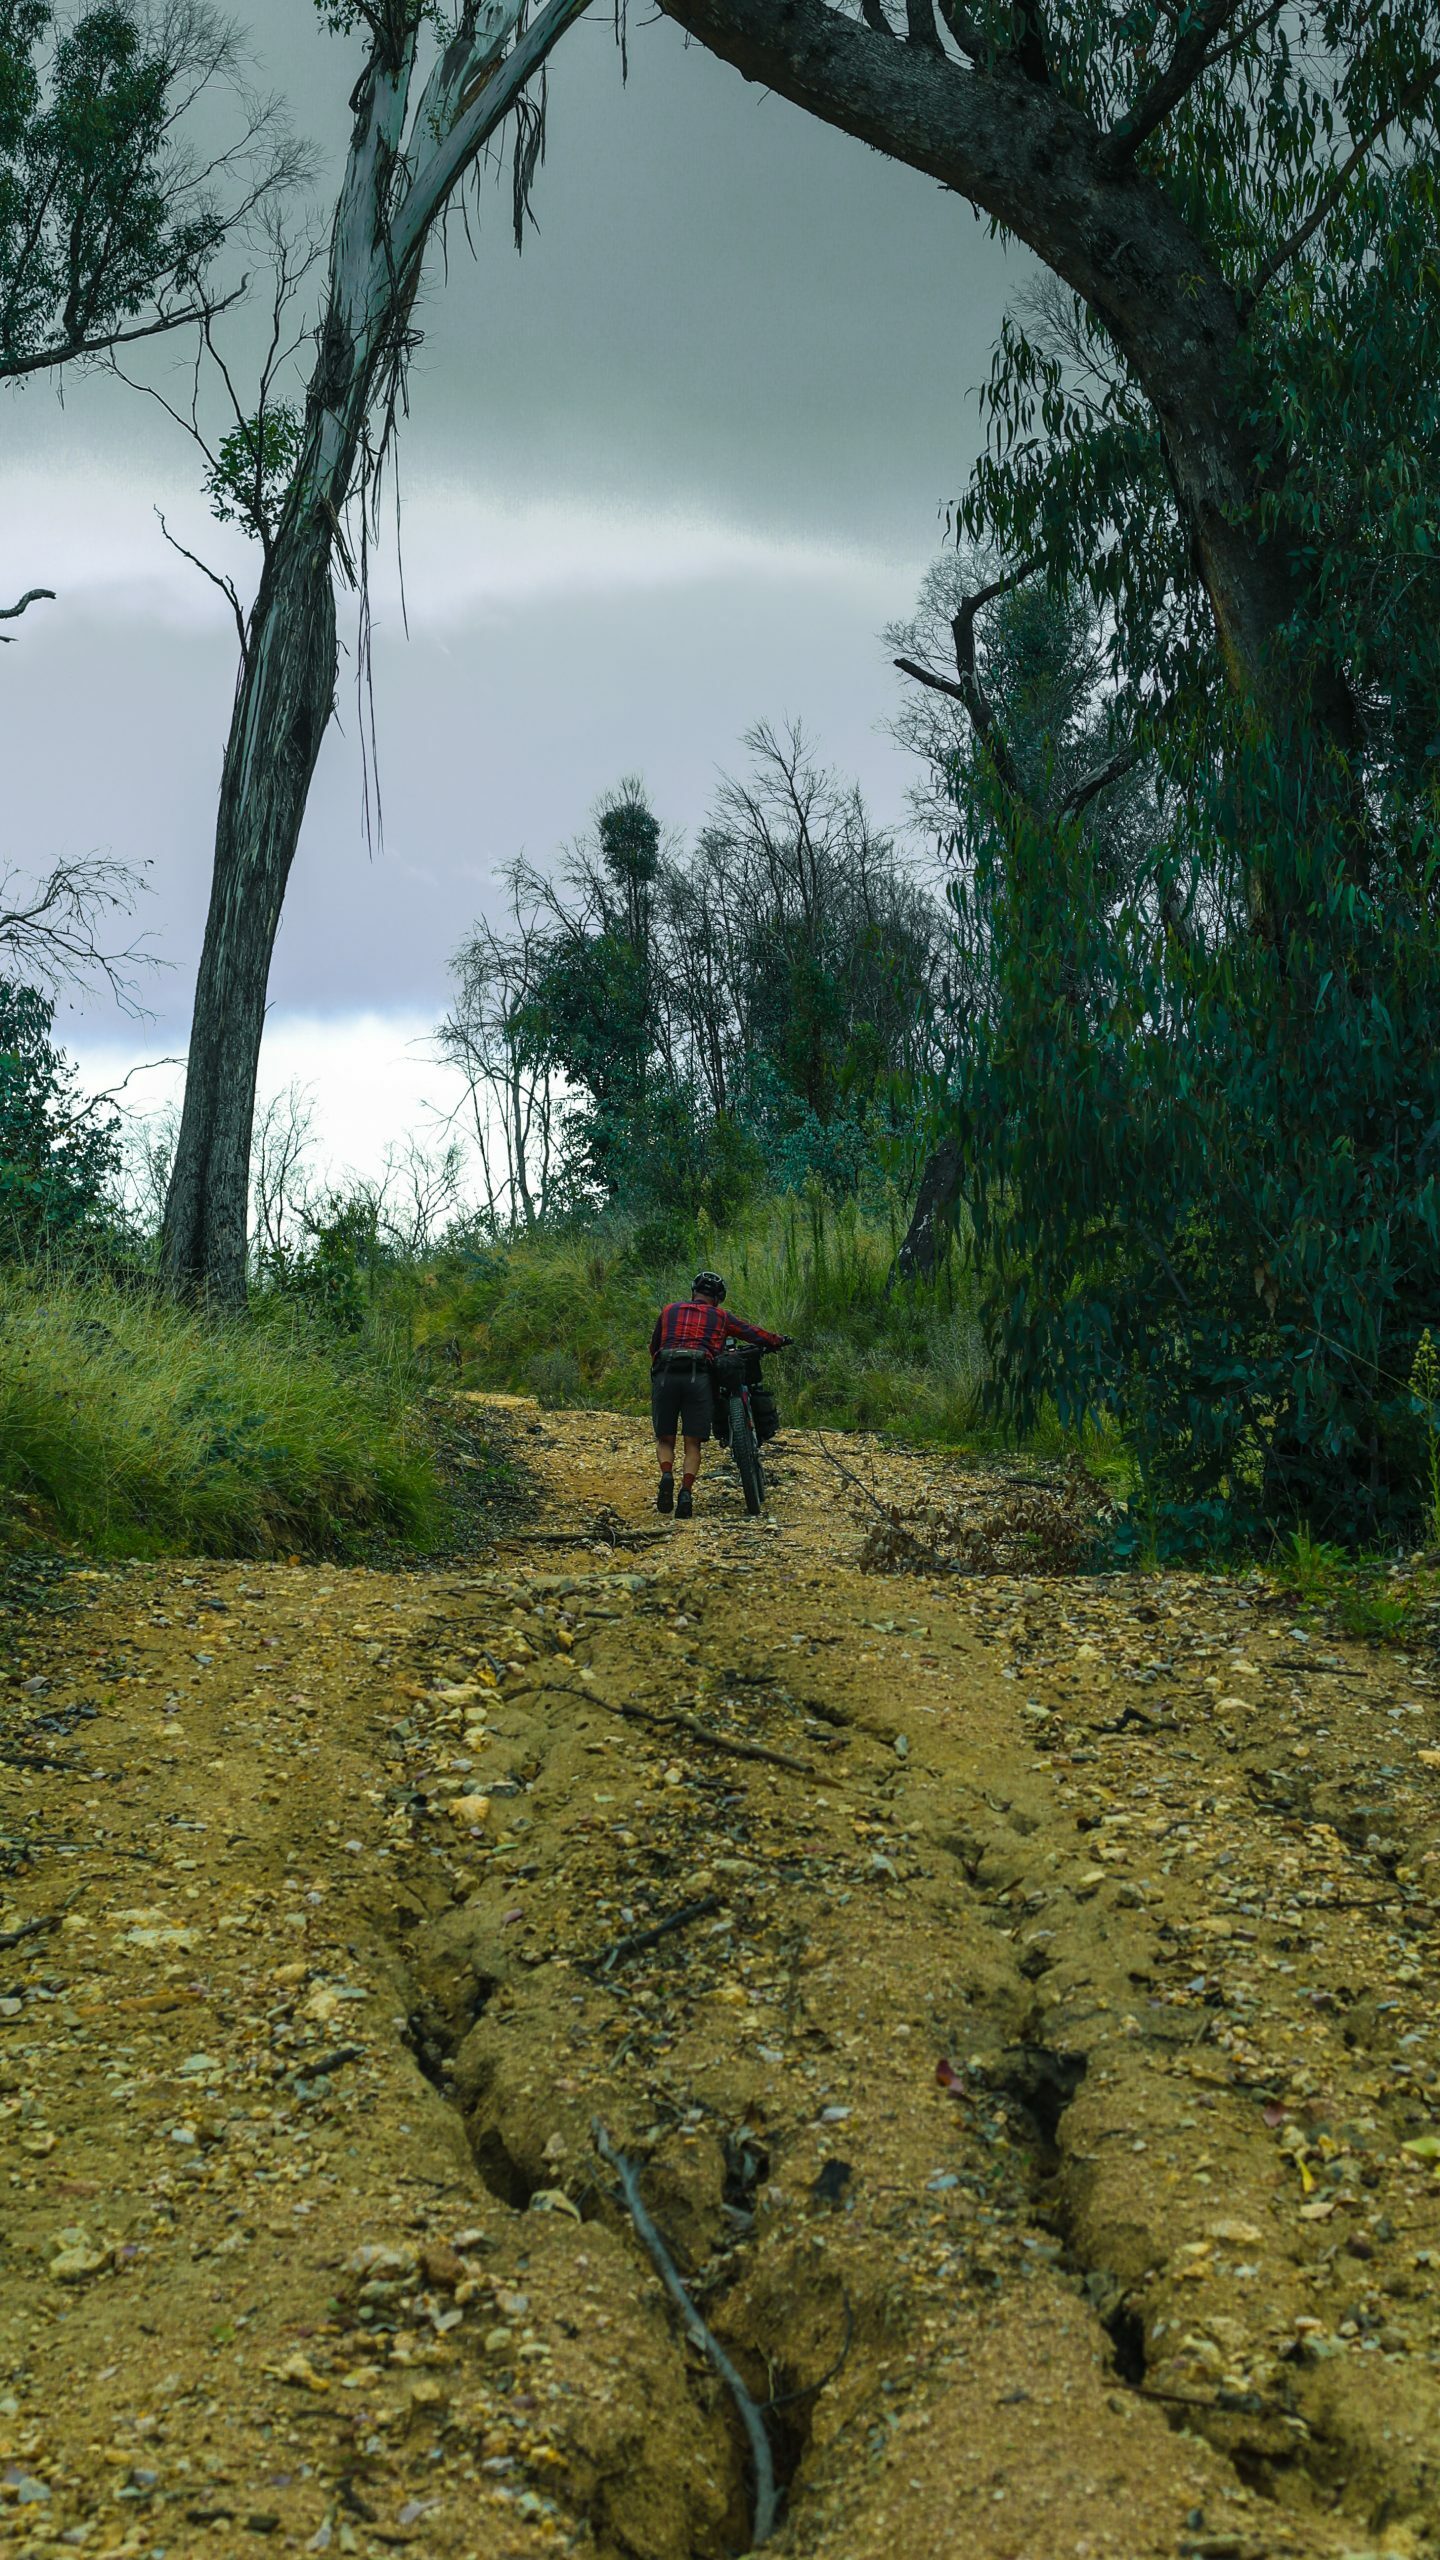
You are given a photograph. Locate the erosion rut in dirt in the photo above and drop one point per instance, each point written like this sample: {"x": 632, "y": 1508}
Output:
{"x": 1017, "y": 1997}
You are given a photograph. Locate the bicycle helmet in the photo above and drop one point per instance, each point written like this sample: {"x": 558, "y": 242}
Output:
{"x": 708, "y": 1284}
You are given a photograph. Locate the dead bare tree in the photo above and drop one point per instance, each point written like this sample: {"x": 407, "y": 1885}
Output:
{"x": 284, "y": 1146}
{"x": 514, "y": 1098}
{"x": 420, "y": 1192}
{"x": 53, "y": 929}
{"x": 408, "y": 157}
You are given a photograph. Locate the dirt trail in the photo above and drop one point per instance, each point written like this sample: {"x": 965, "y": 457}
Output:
{"x": 1025, "y": 2096}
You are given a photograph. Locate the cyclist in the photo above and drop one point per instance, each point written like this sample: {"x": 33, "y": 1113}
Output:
{"x": 689, "y": 1335}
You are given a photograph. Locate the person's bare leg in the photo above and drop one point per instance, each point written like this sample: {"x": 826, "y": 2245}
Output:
{"x": 685, "y": 1501}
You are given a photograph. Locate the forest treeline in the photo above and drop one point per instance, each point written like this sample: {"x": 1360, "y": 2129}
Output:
{"x": 663, "y": 1027}
{"x": 1134, "y": 1030}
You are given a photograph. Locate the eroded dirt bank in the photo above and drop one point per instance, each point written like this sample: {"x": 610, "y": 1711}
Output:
{"x": 1024, "y": 2093}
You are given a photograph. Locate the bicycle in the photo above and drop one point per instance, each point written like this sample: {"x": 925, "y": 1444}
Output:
{"x": 739, "y": 1374}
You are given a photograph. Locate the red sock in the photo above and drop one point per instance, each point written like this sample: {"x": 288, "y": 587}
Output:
{"x": 687, "y": 1480}
{"x": 667, "y": 1466}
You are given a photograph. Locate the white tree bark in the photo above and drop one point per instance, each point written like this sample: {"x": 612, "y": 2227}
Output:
{"x": 402, "y": 169}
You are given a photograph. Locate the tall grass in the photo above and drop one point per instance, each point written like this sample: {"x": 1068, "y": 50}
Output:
{"x": 566, "y": 1316}
{"x": 135, "y": 1428}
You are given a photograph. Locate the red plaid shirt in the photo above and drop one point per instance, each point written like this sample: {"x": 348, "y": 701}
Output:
{"x": 698, "y": 1325}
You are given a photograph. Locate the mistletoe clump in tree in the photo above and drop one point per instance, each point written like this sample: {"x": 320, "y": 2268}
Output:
{"x": 662, "y": 1027}
{"x": 1197, "y": 1112}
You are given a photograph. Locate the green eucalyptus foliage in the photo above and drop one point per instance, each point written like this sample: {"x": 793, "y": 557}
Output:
{"x": 253, "y": 468}
{"x": 57, "y": 1153}
{"x": 741, "y": 1008}
{"x": 388, "y": 23}
{"x": 99, "y": 215}
{"x": 1200, "y": 1097}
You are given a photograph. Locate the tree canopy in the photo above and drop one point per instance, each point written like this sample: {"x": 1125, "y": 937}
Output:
{"x": 111, "y": 218}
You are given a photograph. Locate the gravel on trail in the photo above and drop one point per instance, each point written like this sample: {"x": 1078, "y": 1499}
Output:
{"x": 1015, "y": 1995}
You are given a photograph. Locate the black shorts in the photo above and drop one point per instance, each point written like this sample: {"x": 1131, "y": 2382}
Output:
{"x": 681, "y": 1397}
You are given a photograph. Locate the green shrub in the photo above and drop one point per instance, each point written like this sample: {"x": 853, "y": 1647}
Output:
{"x": 57, "y": 1153}
{"x": 565, "y": 1314}
{"x": 137, "y": 1429}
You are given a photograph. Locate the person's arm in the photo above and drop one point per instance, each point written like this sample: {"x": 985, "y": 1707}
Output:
{"x": 737, "y": 1330}
{"x": 655, "y": 1341}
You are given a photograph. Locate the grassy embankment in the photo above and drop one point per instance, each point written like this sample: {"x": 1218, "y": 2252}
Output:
{"x": 567, "y": 1316}
{"x": 131, "y": 1427}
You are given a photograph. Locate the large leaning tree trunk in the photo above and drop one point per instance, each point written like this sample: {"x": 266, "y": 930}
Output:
{"x": 983, "y": 99}
{"x": 995, "y": 127}
{"x": 402, "y": 169}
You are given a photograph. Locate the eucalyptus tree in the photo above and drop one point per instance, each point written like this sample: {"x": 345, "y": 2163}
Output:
{"x": 113, "y": 216}
{"x": 1170, "y": 161}
{"x": 1204, "y": 1187}
{"x": 414, "y": 139}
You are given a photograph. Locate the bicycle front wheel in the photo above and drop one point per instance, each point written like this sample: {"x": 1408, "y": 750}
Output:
{"x": 745, "y": 1449}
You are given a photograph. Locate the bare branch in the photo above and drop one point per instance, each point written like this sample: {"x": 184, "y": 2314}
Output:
{"x": 225, "y": 585}
{"x": 963, "y": 28}
{"x": 483, "y": 107}
{"x": 50, "y": 928}
{"x": 937, "y": 683}
{"x": 766, "y": 2498}
{"x": 920, "y": 27}
{"x": 1031, "y": 52}
{"x": 73, "y": 350}
{"x": 12, "y": 612}
{"x": 1410, "y": 100}
{"x": 1187, "y": 64}
{"x": 1119, "y": 765}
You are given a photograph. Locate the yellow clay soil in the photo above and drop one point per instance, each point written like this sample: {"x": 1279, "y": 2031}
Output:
{"x": 1036, "y": 2088}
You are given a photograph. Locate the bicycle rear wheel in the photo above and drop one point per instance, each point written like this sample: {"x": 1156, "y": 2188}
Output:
{"x": 745, "y": 1449}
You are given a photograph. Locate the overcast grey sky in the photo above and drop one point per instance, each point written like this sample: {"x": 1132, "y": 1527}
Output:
{"x": 669, "y": 472}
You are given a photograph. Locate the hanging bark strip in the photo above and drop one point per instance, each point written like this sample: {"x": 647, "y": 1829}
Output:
{"x": 402, "y": 170}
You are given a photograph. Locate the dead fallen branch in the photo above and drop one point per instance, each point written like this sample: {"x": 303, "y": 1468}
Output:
{"x": 624, "y": 1948}
{"x": 591, "y": 1537}
{"x": 674, "y": 1720}
{"x": 737, "y": 1746}
{"x": 766, "y": 2500}
{"x": 1024, "y": 1524}
{"x": 14, "y": 1759}
{"x": 40, "y": 1927}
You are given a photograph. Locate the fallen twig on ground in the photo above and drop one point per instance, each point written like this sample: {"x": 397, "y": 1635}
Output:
{"x": 674, "y": 1720}
{"x": 37, "y": 1928}
{"x": 766, "y": 2502}
{"x": 1329, "y": 1670}
{"x": 624, "y": 1948}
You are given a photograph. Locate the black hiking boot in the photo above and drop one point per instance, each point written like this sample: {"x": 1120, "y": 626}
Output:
{"x": 665, "y": 1498}
{"x": 684, "y": 1503}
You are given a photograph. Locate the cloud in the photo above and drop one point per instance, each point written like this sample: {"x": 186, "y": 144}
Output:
{"x": 372, "y": 1079}
{"x": 470, "y": 553}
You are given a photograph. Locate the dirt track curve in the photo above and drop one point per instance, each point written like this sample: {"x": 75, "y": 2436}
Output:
{"x": 1038, "y": 2089}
